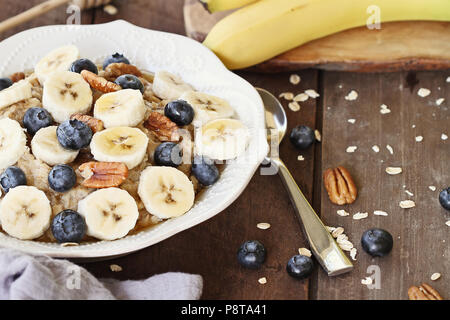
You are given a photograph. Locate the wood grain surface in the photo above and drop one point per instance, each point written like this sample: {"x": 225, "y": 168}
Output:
{"x": 210, "y": 248}
{"x": 408, "y": 45}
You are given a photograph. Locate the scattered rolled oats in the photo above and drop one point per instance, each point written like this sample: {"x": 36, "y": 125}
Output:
{"x": 286, "y": 95}
{"x": 294, "y": 79}
{"x": 353, "y": 253}
{"x": 115, "y": 268}
{"x": 330, "y": 229}
{"x": 110, "y": 9}
{"x": 351, "y": 149}
{"x": 423, "y": 92}
{"x": 304, "y": 252}
{"x": 343, "y": 213}
{"x": 419, "y": 138}
{"x": 406, "y": 204}
{"x": 444, "y": 136}
{"x": 360, "y": 215}
{"x": 448, "y": 223}
{"x": 301, "y": 97}
{"x": 318, "y": 135}
{"x": 352, "y": 95}
{"x": 413, "y": 126}
{"x": 432, "y": 188}
{"x": 384, "y": 109}
{"x": 376, "y": 149}
{"x": 380, "y": 213}
{"x": 367, "y": 281}
{"x": 352, "y": 121}
{"x": 294, "y": 106}
{"x": 435, "y": 276}
{"x": 448, "y": 79}
{"x": 439, "y": 101}
{"x": 409, "y": 193}
{"x": 263, "y": 225}
{"x": 390, "y": 149}
{"x": 312, "y": 93}
{"x": 337, "y": 231}
{"x": 300, "y": 158}
{"x": 262, "y": 280}
{"x": 393, "y": 170}
{"x": 346, "y": 245}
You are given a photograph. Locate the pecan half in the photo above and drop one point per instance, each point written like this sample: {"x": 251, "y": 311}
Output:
{"x": 117, "y": 69}
{"x": 423, "y": 292}
{"x": 17, "y": 76}
{"x": 340, "y": 186}
{"x": 99, "y": 83}
{"x": 95, "y": 124}
{"x": 103, "y": 174}
{"x": 163, "y": 127}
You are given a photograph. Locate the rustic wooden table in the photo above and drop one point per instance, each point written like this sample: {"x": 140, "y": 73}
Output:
{"x": 420, "y": 234}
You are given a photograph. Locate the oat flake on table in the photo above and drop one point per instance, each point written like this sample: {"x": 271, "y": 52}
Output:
{"x": 352, "y": 121}
{"x": 439, "y": 101}
{"x": 360, "y": 215}
{"x": 294, "y": 79}
{"x": 352, "y": 95}
{"x": 419, "y": 138}
{"x": 432, "y": 188}
{"x": 351, "y": 149}
{"x": 337, "y": 231}
{"x": 353, "y": 253}
{"x": 318, "y": 135}
{"x": 312, "y": 93}
{"x": 384, "y": 109}
{"x": 301, "y": 97}
{"x": 423, "y": 92}
{"x": 263, "y": 225}
{"x": 448, "y": 223}
{"x": 367, "y": 281}
{"x": 294, "y": 106}
{"x": 390, "y": 149}
{"x": 343, "y": 213}
{"x": 380, "y": 213}
{"x": 444, "y": 136}
{"x": 262, "y": 280}
{"x": 406, "y": 204}
{"x": 393, "y": 170}
{"x": 300, "y": 158}
{"x": 435, "y": 276}
{"x": 409, "y": 193}
{"x": 304, "y": 252}
{"x": 115, "y": 268}
{"x": 286, "y": 95}
{"x": 448, "y": 79}
{"x": 375, "y": 148}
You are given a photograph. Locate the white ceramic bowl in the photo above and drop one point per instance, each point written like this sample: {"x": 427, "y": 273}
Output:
{"x": 150, "y": 50}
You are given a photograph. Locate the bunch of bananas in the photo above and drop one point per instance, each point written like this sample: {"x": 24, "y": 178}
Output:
{"x": 263, "y": 29}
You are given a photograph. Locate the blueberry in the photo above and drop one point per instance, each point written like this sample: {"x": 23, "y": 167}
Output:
{"x": 115, "y": 58}
{"x": 205, "y": 171}
{"x": 36, "y": 118}
{"x": 168, "y": 154}
{"x": 377, "y": 242}
{"x": 68, "y": 226}
{"x": 74, "y": 134}
{"x": 12, "y": 177}
{"x": 251, "y": 254}
{"x": 129, "y": 81}
{"x": 83, "y": 64}
{"x": 300, "y": 266}
{"x": 62, "y": 178}
{"x": 180, "y": 112}
{"x": 5, "y": 83}
{"x": 444, "y": 198}
{"x": 302, "y": 137}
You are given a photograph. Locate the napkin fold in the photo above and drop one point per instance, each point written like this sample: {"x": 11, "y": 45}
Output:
{"x": 25, "y": 276}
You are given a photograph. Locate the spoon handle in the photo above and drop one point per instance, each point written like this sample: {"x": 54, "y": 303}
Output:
{"x": 325, "y": 249}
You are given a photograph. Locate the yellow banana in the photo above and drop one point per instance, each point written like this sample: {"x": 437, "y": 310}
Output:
{"x": 267, "y": 28}
{"x": 222, "y": 5}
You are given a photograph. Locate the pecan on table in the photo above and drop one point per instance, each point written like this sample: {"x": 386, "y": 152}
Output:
{"x": 423, "y": 292}
{"x": 340, "y": 186}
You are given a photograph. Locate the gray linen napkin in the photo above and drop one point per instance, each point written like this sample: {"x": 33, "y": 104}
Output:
{"x": 24, "y": 276}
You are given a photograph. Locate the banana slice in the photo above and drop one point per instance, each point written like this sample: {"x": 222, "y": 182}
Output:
{"x": 109, "y": 213}
{"x": 25, "y": 212}
{"x": 120, "y": 144}
{"x": 19, "y": 91}
{"x": 166, "y": 192}
{"x": 169, "y": 86}
{"x": 59, "y": 59}
{"x": 207, "y": 107}
{"x": 222, "y": 139}
{"x": 66, "y": 93}
{"x": 13, "y": 142}
{"x": 46, "y": 147}
{"x": 121, "y": 108}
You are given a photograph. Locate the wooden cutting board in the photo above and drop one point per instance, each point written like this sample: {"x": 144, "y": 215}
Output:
{"x": 411, "y": 45}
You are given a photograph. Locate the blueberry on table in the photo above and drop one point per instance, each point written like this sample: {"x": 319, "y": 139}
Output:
{"x": 302, "y": 137}
{"x": 377, "y": 242}
{"x": 129, "y": 81}
{"x": 300, "y": 266}
{"x": 68, "y": 226}
{"x": 180, "y": 112}
{"x": 251, "y": 254}
{"x": 444, "y": 198}
{"x": 11, "y": 178}
{"x": 115, "y": 58}
{"x": 168, "y": 154}
{"x": 83, "y": 64}
{"x": 5, "y": 83}
{"x": 62, "y": 178}
{"x": 205, "y": 171}
{"x": 36, "y": 118}
{"x": 74, "y": 134}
